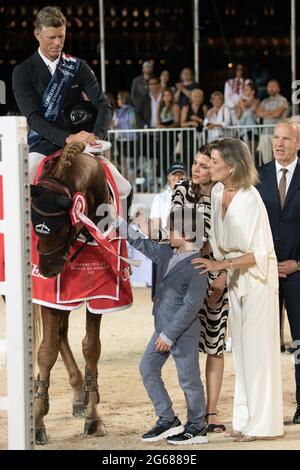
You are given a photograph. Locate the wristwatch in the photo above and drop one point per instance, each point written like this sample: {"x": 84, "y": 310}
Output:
{"x": 298, "y": 263}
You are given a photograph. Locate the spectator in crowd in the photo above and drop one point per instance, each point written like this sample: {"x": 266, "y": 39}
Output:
{"x": 242, "y": 244}
{"x": 147, "y": 106}
{"x": 271, "y": 110}
{"x": 164, "y": 79}
{"x": 125, "y": 118}
{"x": 194, "y": 113}
{"x": 217, "y": 117}
{"x": 280, "y": 190}
{"x": 233, "y": 91}
{"x": 192, "y": 116}
{"x": 140, "y": 84}
{"x": 156, "y": 225}
{"x": 161, "y": 205}
{"x": 261, "y": 76}
{"x": 214, "y": 312}
{"x": 168, "y": 110}
{"x": 49, "y": 115}
{"x": 184, "y": 87}
{"x": 147, "y": 117}
{"x": 168, "y": 118}
{"x": 245, "y": 112}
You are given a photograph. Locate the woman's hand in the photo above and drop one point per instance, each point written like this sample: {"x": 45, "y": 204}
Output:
{"x": 208, "y": 265}
{"x": 196, "y": 118}
{"x": 216, "y": 288}
{"x": 193, "y": 124}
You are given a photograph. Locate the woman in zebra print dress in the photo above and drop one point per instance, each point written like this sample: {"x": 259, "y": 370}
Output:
{"x": 214, "y": 313}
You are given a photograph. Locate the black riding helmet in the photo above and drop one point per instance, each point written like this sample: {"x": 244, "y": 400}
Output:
{"x": 80, "y": 117}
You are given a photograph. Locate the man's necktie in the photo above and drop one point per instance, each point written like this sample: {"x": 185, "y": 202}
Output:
{"x": 282, "y": 186}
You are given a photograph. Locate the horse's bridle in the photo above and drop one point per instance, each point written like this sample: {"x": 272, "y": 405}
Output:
{"x": 55, "y": 184}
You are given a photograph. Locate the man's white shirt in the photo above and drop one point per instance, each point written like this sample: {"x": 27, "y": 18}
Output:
{"x": 161, "y": 207}
{"x": 289, "y": 175}
{"x": 50, "y": 64}
{"x": 154, "y": 109}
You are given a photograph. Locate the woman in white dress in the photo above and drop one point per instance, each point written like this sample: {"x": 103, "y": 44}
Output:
{"x": 242, "y": 244}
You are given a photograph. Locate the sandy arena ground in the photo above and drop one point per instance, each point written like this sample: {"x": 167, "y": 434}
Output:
{"x": 124, "y": 406}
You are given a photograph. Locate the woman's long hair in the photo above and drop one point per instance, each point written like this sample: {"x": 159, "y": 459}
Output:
{"x": 162, "y": 104}
{"x": 205, "y": 150}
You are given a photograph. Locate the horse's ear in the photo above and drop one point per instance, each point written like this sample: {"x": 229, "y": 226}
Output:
{"x": 35, "y": 190}
{"x": 64, "y": 201}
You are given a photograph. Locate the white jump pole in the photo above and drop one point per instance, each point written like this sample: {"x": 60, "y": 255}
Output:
{"x": 293, "y": 51}
{"x": 102, "y": 45}
{"x": 196, "y": 40}
{"x": 17, "y": 284}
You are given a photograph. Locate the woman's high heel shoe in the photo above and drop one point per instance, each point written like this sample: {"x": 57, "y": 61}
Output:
{"x": 214, "y": 427}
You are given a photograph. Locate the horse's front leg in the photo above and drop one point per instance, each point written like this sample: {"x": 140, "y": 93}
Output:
{"x": 46, "y": 358}
{"x": 91, "y": 348}
{"x": 75, "y": 376}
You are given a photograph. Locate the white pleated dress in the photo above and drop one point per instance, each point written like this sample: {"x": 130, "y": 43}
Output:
{"x": 253, "y": 311}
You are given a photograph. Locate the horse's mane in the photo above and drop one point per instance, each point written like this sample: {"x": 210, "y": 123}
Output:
{"x": 70, "y": 152}
{"x": 82, "y": 172}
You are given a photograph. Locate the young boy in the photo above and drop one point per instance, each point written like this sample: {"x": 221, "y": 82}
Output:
{"x": 179, "y": 296}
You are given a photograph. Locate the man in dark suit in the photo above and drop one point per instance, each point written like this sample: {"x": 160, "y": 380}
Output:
{"x": 147, "y": 106}
{"x": 280, "y": 190}
{"x": 147, "y": 117}
{"x": 49, "y": 83}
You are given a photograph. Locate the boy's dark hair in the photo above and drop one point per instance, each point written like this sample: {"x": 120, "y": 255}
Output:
{"x": 188, "y": 222}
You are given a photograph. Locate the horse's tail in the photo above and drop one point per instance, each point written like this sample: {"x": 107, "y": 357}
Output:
{"x": 70, "y": 152}
{"x": 37, "y": 335}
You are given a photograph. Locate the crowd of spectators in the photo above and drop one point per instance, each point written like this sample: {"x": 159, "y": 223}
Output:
{"x": 154, "y": 102}
{"x": 185, "y": 104}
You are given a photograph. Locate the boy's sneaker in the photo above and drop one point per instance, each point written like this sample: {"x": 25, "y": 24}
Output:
{"x": 190, "y": 435}
{"x": 163, "y": 429}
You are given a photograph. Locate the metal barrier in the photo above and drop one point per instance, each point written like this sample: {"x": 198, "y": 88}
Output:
{"x": 144, "y": 155}
{"x": 258, "y": 137}
{"x": 15, "y": 282}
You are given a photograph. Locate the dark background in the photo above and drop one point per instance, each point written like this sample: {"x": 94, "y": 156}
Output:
{"x": 253, "y": 32}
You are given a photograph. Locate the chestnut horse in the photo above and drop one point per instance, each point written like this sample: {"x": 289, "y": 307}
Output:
{"x": 72, "y": 172}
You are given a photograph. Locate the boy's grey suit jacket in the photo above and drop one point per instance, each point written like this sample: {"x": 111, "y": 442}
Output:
{"x": 179, "y": 293}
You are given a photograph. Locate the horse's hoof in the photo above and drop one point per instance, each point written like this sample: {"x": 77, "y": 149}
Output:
{"x": 94, "y": 427}
{"x": 41, "y": 436}
{"x": 78, "y": 410}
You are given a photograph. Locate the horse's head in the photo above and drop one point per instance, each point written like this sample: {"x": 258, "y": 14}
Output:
{"x": 52, "y": 199}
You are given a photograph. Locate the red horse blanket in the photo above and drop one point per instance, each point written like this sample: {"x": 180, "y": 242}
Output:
{"x": 90, "y": 277}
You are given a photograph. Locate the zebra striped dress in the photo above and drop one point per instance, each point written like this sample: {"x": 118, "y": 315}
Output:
{"x": 213, "y": 317}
